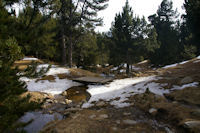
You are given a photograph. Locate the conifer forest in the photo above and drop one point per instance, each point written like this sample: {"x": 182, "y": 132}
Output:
{"x": 58, "y": 73}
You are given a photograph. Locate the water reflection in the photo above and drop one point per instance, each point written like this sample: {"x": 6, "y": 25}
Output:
{"x": 39, "y": 120}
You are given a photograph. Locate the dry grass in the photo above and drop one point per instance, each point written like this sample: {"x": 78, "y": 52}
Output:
{"x": 171, "y": 112}
{"x": 173, "y": 76}
{"x": 79, "y": 123}
{"x": 36, "y": 96}
{"x": 23, "y": 64}
{"x": 63, "y": 76}
{"x": 188, "y": 69}
{"x": 189, "y": 96}
{"x": 27, "y": 62}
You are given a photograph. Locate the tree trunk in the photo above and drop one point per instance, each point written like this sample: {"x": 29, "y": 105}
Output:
{"x": 70, "y": 52}
{"x": 127, "y": 63}
{"x": 63, "y": 44}
{"x": 131, "y": 67}
{"x": 127, "y": 68}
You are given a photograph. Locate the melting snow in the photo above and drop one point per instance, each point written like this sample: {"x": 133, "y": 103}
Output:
{"x": 142, "y": 62}
{"x": 122, "y": 71}
{"x": 57, "y": 70}
{"x": 176, "y": 87}
{"x": 122, "y": 89}
{"x": 196, "y": 61}
{"x": 135, "y": 68}
{"x": 173, "y": 65}
{"x": 28, "y": 58}
{"x": 183, "y": 62}
{"x": 114, "y": 69}
{"x": 168, "y": 66}
{"x": 56, "y": 87}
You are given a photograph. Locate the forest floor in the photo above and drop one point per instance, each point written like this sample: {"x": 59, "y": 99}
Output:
{"x": 157, "y": 100}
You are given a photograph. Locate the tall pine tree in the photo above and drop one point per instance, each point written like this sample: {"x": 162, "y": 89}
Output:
{"x": 192, "y": 16}
{"x": 73, "y": 14}
{"x": 133, "y": 39}
{"x": 122, "y": 30}
{"x": 164, "y": 23}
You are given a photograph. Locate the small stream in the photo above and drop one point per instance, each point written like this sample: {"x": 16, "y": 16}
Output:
{"x": 39, "y": 120}
{"x": 42, "y": 117}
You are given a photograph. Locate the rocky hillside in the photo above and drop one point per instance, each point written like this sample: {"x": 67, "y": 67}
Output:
{"x": 163, "y": 100}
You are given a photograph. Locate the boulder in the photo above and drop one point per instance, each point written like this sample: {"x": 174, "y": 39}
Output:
{"x": 153, "y": 111}
{"x": 196, "y": 113}
{"x": 67, "y": 101}
{"x": 92, "y": 116}
{"x": 192, "y": 125}
{"x": 103, "y": 116}
{"x": 49, "y": 101}
{"x": 126, "y": 113}
{"x": 37, "y": 96}
{"x": 129, "y": 122}
{"x": 186, "y": 80}
{"x": 64, "y": 93}
{"x": 100, "y": 104}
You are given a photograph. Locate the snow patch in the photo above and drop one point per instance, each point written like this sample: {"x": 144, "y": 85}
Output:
{"x": 28, "y": 58}
{"x": 176, "y": 87}
{"x": 198, "y": 57}
{"x": 25, "y": 79}
{"x": 57, "y": 70}
{"x": 135, "y": 68}
{"x": 196, "y": 61}
{"x": 142, "y": 62}
{"x": 183, "y": 62}
{"x": 122, "y": 89}
{"x": 122, "y": 71}
{"x": 172, "y": 65}
{"x": 53, "y": 88}
{"x": 114, "y": 68}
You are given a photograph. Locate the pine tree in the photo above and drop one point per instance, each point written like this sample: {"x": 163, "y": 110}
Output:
{"x": 133, "y": 39}
{"x": 164, "y": 23}
{"x": 192, "y": 8}
{"x": 12, "y": 106}
{"x": 73, "y": 14}
{"x": 122, "y": 30}
{"x": 103, "y": 48}
{"x": 42, "y": 30}
{"x": 187, "y": 41}
{"x": 85, "y": 53}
